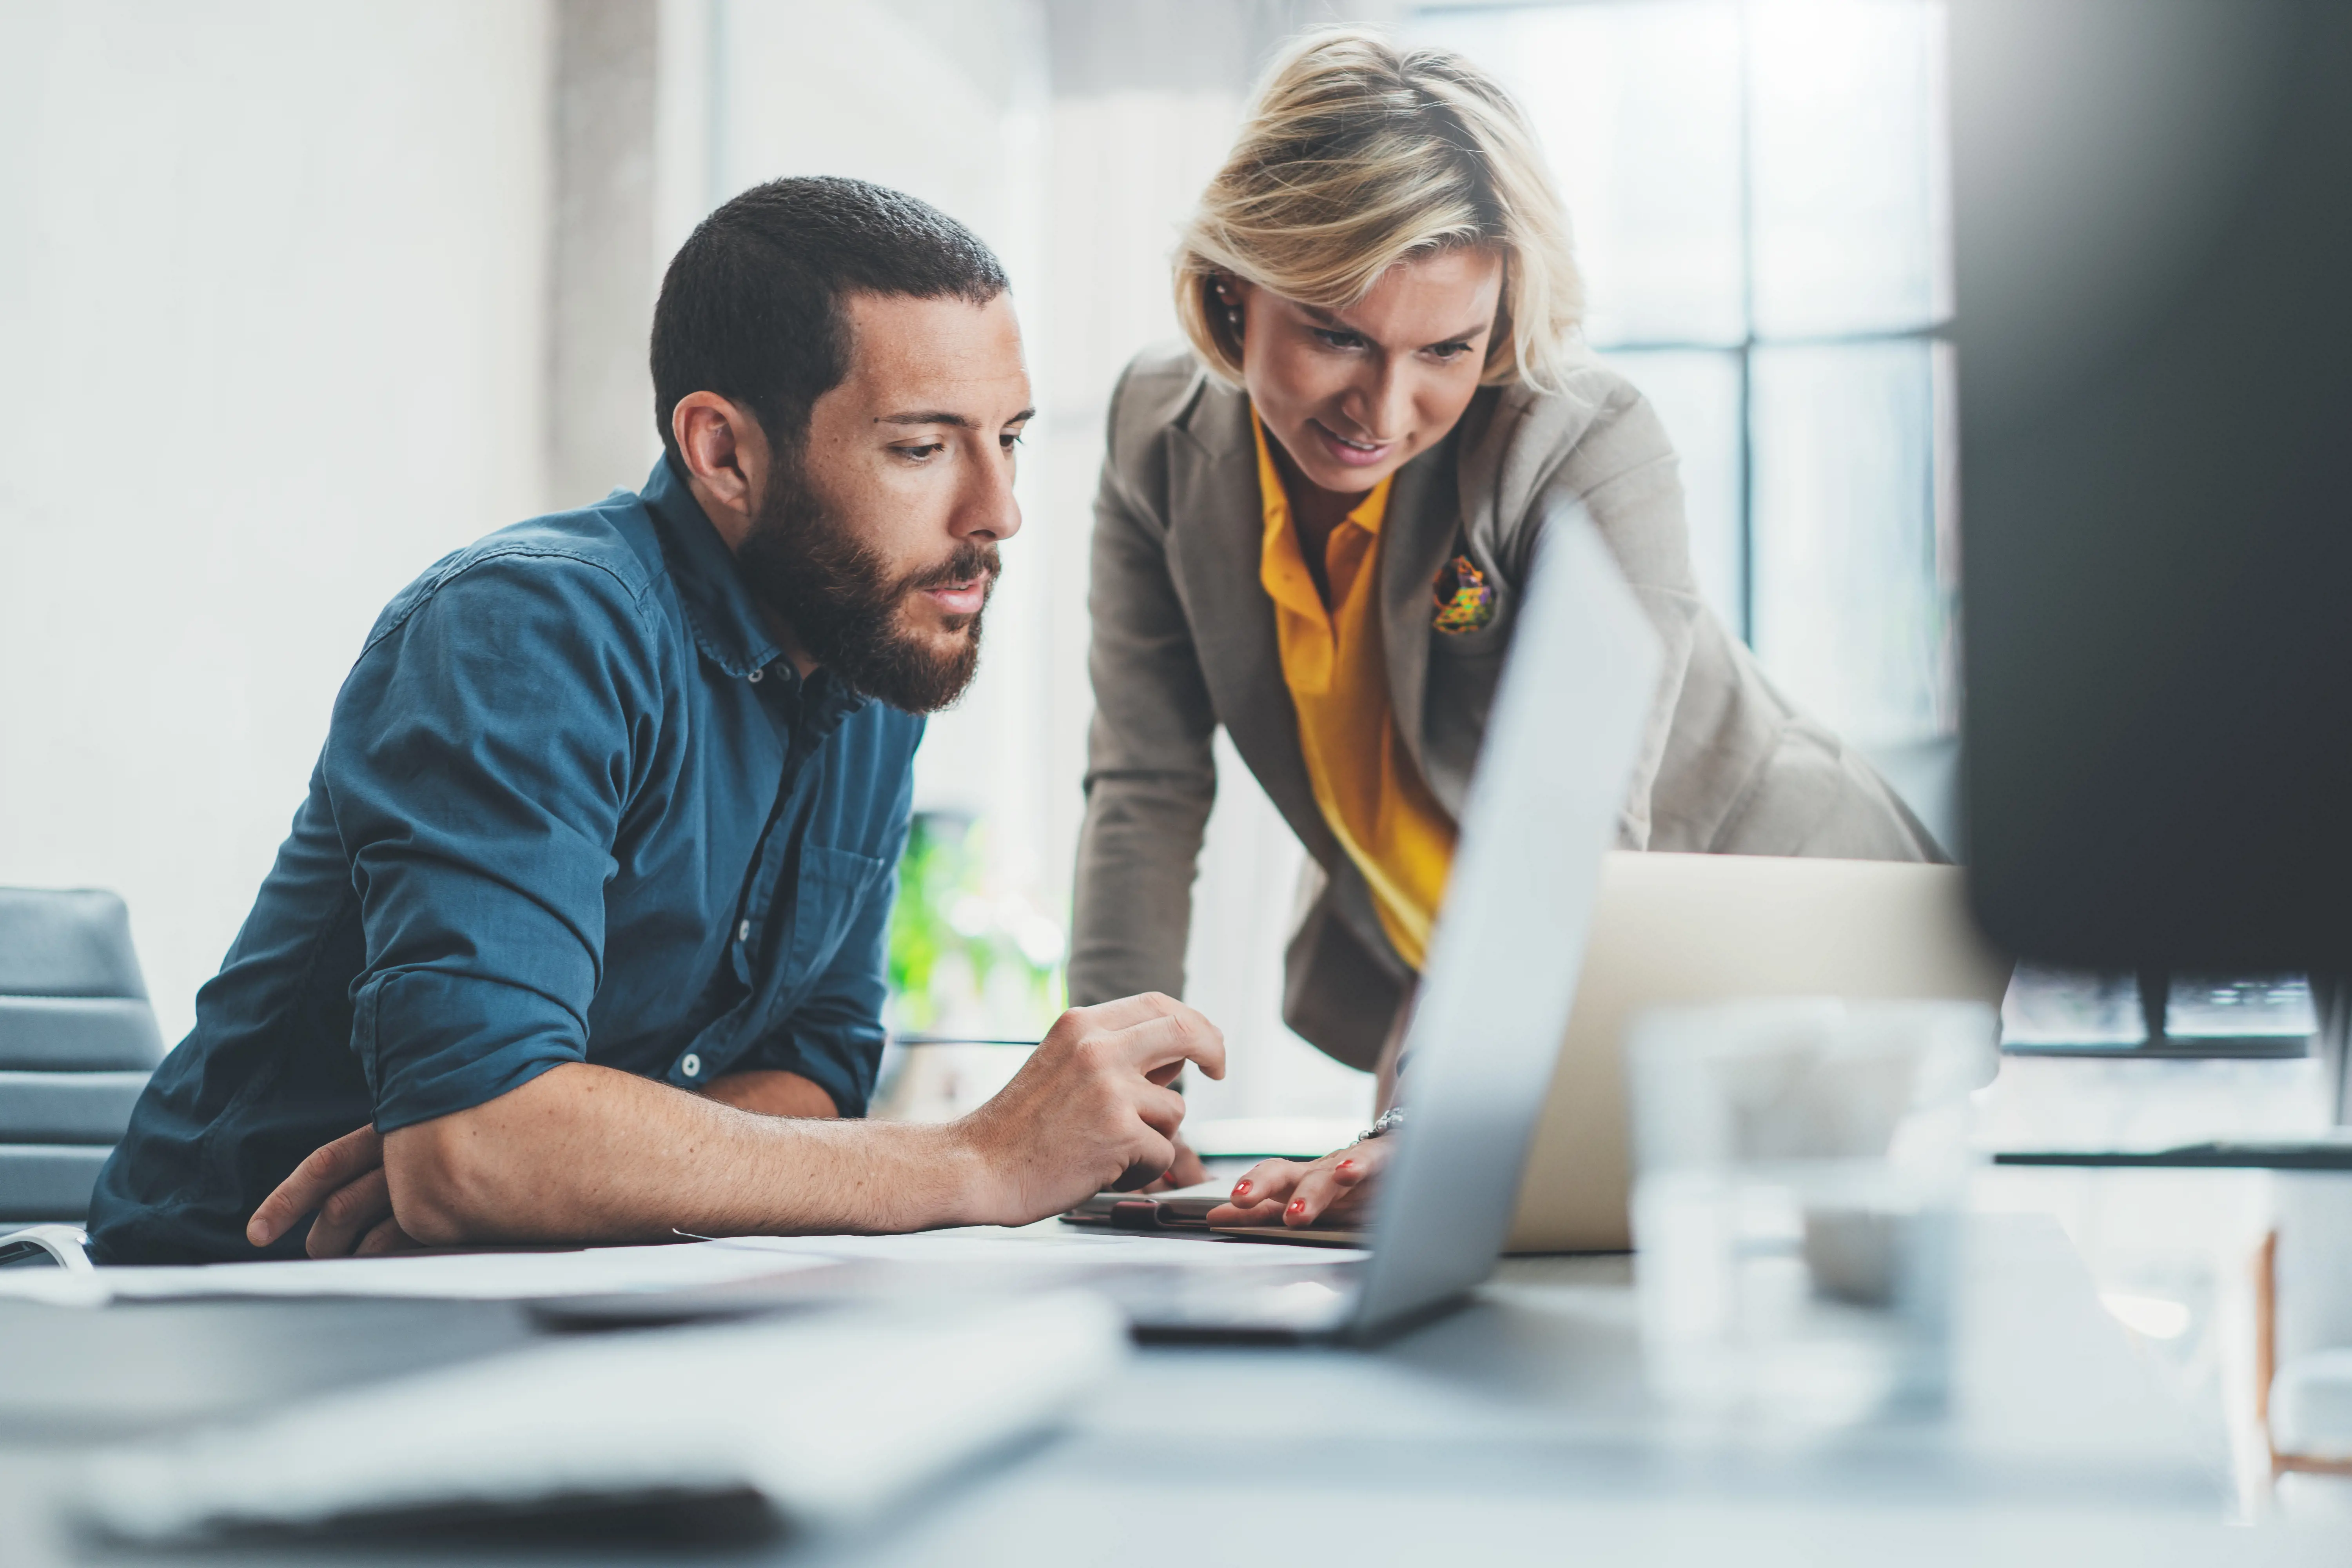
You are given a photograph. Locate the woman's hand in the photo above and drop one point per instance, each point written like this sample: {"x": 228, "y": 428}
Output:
{"x": 1336, "y": 1190}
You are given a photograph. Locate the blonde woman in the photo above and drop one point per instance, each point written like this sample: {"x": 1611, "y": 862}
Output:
{"x": 1312, "y": 529}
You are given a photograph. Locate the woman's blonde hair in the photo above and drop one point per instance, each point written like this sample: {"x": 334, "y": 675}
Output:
{"x": 1357, "y": 155}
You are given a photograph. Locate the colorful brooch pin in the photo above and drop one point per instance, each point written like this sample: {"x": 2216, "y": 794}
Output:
{"x": 1465, "y": 600}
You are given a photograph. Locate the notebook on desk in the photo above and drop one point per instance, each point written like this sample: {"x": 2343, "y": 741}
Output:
{"x": 1187, "y": 1213}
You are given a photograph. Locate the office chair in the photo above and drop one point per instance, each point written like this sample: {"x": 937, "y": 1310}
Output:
{"x": 78, "y": 1041}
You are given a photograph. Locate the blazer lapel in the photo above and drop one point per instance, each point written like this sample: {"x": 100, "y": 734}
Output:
{"x": 1423, "y": 518}
{"x": 1216, "y": 531}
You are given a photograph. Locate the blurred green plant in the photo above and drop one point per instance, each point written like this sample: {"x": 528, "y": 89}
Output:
{"x": 945, "y": 914}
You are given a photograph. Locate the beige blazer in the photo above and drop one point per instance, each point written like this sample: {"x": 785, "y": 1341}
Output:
{"x": 1184, "y": 641}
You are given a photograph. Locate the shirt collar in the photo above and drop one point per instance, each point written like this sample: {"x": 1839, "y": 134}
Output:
{"x": 725, "y": 617}
{"x": 1282, "y": 563}
{"x": 728, "y": 626}
{"x": 1365, "y": 514}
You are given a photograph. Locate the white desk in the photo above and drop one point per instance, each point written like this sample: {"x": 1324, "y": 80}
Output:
{"x": 1515, "y": 1430}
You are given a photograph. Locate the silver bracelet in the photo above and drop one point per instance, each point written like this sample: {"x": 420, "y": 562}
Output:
{"x": 1390, "y": 1121}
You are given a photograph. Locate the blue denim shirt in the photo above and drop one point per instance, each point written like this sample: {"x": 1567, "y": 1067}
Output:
{"x": 573, "y": 806}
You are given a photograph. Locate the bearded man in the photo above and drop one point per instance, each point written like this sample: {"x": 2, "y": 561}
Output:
{"x": 580, "y": 932}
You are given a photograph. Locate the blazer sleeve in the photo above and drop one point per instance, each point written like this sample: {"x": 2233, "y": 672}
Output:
{"x": 1621, "y": 473}
{"x": 1151, "y": 774}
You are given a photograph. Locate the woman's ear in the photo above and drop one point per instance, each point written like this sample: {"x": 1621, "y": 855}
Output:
{"x": 1229, "y": 294}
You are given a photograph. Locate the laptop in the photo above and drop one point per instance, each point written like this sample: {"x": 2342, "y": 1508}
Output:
{"x": 1680, "y": 930}
{"x": 1542, "y": 811}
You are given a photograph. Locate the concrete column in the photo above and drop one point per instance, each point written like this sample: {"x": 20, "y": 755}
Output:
{"x": 601, "y": 270}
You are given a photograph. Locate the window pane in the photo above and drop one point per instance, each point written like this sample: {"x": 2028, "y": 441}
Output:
{"x": 1696, "y": 394}
{"x": 1849, "y": 133}
{"x": 1856, "y": 584}
{"x": 1638, "y": 109}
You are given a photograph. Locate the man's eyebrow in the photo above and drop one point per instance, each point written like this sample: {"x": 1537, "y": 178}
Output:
{"x": 941, "y": 417}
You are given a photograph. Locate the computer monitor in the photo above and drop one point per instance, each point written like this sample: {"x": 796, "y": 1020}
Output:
{"x": 2152, "y": 226}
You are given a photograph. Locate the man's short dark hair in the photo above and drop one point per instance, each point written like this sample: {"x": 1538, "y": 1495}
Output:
{"x": 751, "y": 307}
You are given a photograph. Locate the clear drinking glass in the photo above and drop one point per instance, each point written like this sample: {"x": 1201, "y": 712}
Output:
{"x": 1800, "y": 1169}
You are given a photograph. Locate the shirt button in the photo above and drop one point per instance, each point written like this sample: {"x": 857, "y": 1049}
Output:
{"x": 692, "y": 1066}
{"x": 743, "y": 931}
{"x": 756, "y": 675}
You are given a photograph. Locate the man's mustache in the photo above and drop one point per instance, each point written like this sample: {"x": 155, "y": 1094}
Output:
{"x": 969, "y": 564}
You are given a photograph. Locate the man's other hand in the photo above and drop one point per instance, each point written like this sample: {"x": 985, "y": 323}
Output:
{"x": 1190, "y": 1169}
{"x": 1091, "y": 1108}
{"x": 344, "y": 1181}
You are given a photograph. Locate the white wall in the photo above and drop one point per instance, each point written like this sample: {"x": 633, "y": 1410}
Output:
{"x": 270, "y": 342}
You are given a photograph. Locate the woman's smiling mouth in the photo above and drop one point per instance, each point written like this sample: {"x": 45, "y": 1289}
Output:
{"x": 1353, "y": 454}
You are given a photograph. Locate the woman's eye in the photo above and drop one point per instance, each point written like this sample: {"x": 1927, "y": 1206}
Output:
{"x": 1446, "y": 352}
{"x": 1339, "y": 340}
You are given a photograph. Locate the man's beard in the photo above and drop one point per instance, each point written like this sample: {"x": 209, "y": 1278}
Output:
{"x": 847, "y": 611}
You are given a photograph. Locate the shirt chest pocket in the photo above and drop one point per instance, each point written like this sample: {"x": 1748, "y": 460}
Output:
{"x": 834, "y": 886}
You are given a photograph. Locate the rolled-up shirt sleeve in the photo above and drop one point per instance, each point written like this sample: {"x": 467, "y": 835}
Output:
{"x": 483, "y": 752}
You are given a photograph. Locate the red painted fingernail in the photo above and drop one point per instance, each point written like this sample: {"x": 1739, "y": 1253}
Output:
{"x": 1298, "y": 1206}
{"x": 1240, "y": 1187}
{"x": 1347, "y": 1164}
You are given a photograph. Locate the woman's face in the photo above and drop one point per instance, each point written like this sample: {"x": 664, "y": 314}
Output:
{"x": 1354, "y": 394}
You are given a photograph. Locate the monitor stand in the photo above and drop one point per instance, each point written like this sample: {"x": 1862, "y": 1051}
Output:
{"x": 2155, "y": 1007}
{"x": 2331, "y": 999}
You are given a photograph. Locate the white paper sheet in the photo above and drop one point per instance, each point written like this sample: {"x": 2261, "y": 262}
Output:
{"x": 463, "y": 1276}
{"x": 986, "y": 1244}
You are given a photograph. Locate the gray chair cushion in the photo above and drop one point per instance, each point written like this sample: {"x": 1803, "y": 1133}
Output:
{"x": 77, "y": 1042}
{"x": 48, "y": 1181}
{"x": 67, "y": 1107}
{"x": 77, "y": 1034}
{"x": 57, "y": 942}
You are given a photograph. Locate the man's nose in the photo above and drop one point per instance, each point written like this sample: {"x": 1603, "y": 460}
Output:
{"x": 987, "y": 510}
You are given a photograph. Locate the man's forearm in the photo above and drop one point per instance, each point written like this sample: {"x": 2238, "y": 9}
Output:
{"x": 772, "y": 1092}
{"x": 588, "y": 1154}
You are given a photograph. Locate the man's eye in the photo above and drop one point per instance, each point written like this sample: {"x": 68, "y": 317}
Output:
{"x": 1010, "y": 439}
{"x": 927, "y": 449}
{"x": 1339, "y": 340}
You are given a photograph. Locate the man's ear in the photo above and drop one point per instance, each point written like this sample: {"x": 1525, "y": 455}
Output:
{"x": 726, "y": 457}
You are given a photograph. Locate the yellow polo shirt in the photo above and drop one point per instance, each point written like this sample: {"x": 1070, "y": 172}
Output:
{"x": 1369, "y": 792}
